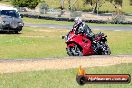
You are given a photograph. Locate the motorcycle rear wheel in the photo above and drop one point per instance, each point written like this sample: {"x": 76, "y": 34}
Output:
{"x": 74, "y": 51}
{"x": 106, "y": 50}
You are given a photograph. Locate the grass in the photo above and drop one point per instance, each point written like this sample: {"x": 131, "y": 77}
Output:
{"x": 46, "y": 42}
{"x": 5, "y": 2}
{"x": 42, "y": 21}
{"x": 126, "y": 7}
{"x": 61, "y": 78}
{"x": 32, "y": 43}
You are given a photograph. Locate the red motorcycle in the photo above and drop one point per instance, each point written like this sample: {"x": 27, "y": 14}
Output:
{"x": 79, "y": 45}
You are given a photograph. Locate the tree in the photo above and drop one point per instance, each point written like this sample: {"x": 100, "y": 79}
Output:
{"x": 71, "y": 4}
{"x": 96, "y": 4}
{"x": 43, "y": 7}
{"x": 62, "y": 4}
{"x": 116, "y": 3}
{"x": 25, "y": 3}
{"x": 130, "y": 2}
{"x": 118, "y": 15}
{"x": 88, "y": 2}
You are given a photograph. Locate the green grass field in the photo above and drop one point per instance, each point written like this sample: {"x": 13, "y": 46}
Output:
{"x": 61, "y": 78}
{"x": 45, "y": 42}
{"x": 42, "y": 21}
{"x": 5, "y": 2}
{"x": 32, "y": 43}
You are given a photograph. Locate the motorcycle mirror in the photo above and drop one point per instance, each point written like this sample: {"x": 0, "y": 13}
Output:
{"x": 63, "y": 37}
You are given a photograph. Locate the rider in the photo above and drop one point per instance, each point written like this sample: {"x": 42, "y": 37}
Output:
{"x": 80, "y": 26}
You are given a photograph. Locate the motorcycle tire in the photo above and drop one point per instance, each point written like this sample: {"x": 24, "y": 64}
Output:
{"x": 74, "y": 51}
{"x": 106, "y": 50}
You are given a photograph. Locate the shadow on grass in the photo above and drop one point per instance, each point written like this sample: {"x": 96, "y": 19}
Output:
{"x": 6, "y": 32}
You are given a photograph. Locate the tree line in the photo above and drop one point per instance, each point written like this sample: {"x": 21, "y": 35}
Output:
{"x": 96, "y": 4}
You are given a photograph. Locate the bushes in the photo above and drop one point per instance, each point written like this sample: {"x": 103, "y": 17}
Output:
{"x": 43, "y": 7}
{"x": 75, "y": 14}
{"x": 72, "y": 19}
{"x": 25, "y": 3}
{"x": 131, "y": 2}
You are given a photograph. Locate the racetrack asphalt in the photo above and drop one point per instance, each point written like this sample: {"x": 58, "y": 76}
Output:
{"x": 120, "y": 28}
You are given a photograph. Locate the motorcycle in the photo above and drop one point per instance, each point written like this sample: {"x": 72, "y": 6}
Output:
{"x": 79, "y": 45}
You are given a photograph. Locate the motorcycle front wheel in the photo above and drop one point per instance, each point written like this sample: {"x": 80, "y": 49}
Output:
{"x": 74, "y": 51}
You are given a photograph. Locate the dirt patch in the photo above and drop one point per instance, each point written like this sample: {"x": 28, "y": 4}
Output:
{"x": 49, "y": 31}
{"x": 10, "y": 66}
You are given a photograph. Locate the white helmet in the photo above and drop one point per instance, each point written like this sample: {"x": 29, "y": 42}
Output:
{"x": 77, "y": 20}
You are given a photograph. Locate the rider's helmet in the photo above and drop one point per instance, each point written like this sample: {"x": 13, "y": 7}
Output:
{"x": 77, "y": 21}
